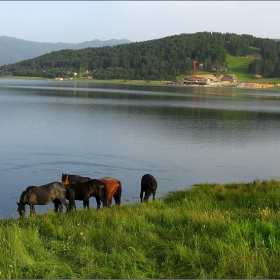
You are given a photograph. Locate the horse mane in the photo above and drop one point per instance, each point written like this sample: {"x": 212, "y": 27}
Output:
{"x": 74, "y": 177}
{"x": 22, "y": 196}
{"x": 26, "y": 192}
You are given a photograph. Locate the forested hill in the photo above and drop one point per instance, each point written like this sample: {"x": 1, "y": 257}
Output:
{"x": 160, "y": 59}
{"x": 13, "y": 50}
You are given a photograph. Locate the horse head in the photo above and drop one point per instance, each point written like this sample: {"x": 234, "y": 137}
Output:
{"x": 21, "y": 209}
{"x": 65, "y": 179}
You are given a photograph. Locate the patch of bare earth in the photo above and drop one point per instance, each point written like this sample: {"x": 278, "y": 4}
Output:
{"x": 254, "y": 85}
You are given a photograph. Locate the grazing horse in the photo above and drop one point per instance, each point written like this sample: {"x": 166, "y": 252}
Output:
{"x": 114, "y": 189}
{"x": 42, "y": 195}
{"x": 114, "y": 186}
{"x": 85, "y": 190}
{"x": 149, "y": 186}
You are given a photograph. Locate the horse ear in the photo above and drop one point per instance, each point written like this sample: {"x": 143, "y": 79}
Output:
{"x": 17, "y": 203}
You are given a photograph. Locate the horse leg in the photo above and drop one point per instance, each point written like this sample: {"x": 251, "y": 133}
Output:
{"x": 154, "y": 194}
{"x": 147, "y": 195}
{"x": 141, "y": 195}
{"x": 66, "y": 205}
{"x": 109, "y": 202}
{"x": 73, "y": 206}
{"x": 55, "y": 203}
{"x": 117, "y": 200}
{"x": 32, "y": 209}
{"x": 86, "y": 203}
{"x": 60, "y": 207}
{"x": 98, "y": 203}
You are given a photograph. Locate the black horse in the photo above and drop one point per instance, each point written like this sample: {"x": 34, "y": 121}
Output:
{"x": 67, "y": 178}
{"x": 85, "y": 190}
{"x": 54, "y": 192}
{"x": 114, "y": 186}
{"x": 149, "y": 186}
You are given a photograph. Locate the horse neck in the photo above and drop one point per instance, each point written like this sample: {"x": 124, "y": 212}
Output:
{"x": 27, "y": 193}
{"x": 23, "y": 198}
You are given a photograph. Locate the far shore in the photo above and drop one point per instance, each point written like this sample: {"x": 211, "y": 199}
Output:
{"x": 241, "y": 84}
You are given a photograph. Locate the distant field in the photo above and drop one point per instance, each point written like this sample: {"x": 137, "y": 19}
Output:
{"x": 238, "y": 66}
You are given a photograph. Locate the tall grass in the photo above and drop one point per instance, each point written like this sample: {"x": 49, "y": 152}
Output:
{"x": 210, "y": 231}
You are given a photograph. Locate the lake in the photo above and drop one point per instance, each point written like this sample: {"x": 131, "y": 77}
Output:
{"x": 181, "y": 135}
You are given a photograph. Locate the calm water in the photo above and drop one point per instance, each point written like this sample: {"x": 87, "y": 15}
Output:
{"x": 183, "y": 136}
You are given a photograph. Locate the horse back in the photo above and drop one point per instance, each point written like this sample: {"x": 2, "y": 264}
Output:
{"x": 68, "y": 178}
{"x": 43, "y": 194}
{"x": 112, "y": 185}
{"x": 86, "y": 188}
{"x": 148, "y": 181}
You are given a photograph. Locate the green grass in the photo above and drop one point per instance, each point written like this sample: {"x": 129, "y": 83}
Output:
{"x": 239, "y": 65}
{"x": 114, "y": 81}
{"x": 210, "y": 231}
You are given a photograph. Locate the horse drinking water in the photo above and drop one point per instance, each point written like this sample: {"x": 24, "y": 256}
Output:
{"x": 54, "y": 192}
{"x": 149, "y": 186}
{"x": 114, "y": 186}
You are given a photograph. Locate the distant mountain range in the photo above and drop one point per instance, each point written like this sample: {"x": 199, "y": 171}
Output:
{"x": 15, "y": 50}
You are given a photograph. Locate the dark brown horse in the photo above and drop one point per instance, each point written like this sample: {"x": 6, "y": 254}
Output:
{"x": 85, "y": 190}
{"x": 149, "y": 186}
{"x": 114, "y": 186}
{"x": 67, "y": 178}
{"x": 42, "y": 195}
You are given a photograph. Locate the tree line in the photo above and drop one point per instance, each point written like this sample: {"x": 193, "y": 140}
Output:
{"x": 159, "y": 59}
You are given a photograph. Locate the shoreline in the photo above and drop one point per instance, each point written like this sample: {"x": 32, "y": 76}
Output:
{"x": 239, "y": 84}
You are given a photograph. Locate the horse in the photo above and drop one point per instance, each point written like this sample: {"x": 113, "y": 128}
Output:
{"x": 67, "y": 178}
{"x": 149, "y": 186}
{"x": 54, "y": 192}
{"x": 85, "y": 190}
{"x": 114, "y": 186}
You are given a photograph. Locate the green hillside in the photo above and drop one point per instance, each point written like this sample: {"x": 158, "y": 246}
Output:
{"x": 161, "y": 59}
{"x": 239, "y": 65}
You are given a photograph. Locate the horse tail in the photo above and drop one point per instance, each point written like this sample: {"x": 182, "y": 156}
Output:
{"x": 119, "y": 194}
{"x": 105, "y": 195}
{"x": 69, "y": 195}
{"x": 153, "y": 183}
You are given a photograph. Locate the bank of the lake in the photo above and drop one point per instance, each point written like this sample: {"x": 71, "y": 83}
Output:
{"x": 264, "y": 84}
{"x": 210, "y": 231}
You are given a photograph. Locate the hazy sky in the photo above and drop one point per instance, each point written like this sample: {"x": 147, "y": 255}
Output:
{"x": 79, "y": 21}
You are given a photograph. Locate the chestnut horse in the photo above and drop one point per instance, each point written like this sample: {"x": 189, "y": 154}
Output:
{"x": 114, "y": 186}
{"x": 54, "y": 192}
{"x": 149, "y": 186}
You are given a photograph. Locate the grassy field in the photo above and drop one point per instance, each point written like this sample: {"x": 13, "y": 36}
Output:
{"x": 114, "y": 81}
{"x": 211, "y": 231}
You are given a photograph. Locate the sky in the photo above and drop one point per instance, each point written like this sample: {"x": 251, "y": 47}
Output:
{"x": 136, "y": 21}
